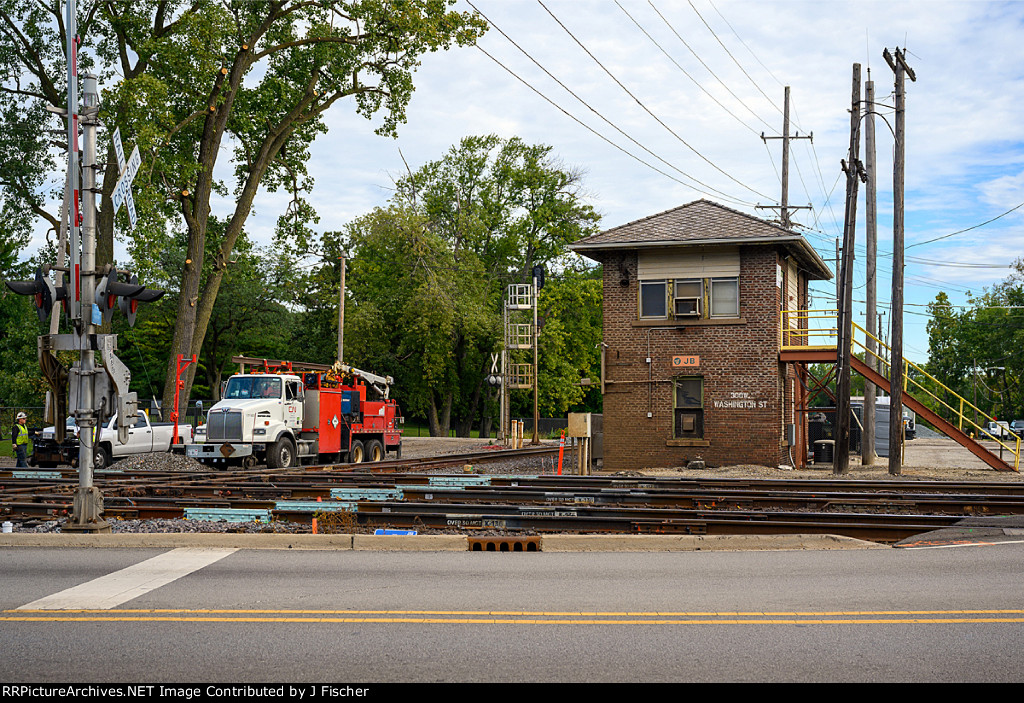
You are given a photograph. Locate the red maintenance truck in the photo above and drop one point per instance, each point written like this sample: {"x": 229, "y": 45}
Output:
{"x": 285, "y": 413}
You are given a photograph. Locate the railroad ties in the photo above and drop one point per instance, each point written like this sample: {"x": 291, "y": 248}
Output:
{"x": 505, "y": 512}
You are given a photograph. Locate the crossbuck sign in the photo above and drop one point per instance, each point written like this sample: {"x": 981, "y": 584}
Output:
{"x": 123, "y": 189}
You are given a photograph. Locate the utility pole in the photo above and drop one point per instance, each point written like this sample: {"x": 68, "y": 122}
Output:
{"x": 341, "y": 311}
{"x": 839, "y": 282}
{"x": 867, "y": 448}
{"x": 853, "y": 171}
{"x": 784, "y": 206}
{"x": 899, "y": 67}
{"x": 73, "y": 184}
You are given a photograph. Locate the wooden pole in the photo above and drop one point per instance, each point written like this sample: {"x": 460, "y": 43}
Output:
{"x": 785, "y": 162}
{"x": 867, "y": 449}
{"x": 841, "y": 463}
{"x": 901, "y": 69}
{"x": 784, "y": 206}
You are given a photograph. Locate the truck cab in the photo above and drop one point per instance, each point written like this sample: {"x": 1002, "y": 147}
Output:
{"x": 282, "y": 418}
{"x": 257, "y": 414}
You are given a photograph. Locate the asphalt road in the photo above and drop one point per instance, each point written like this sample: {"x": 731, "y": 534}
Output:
{"x": 248, "y": 616}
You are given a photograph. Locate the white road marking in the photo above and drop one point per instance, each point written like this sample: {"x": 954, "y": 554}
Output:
{"x": 121, "y": 586}
{"x": 966, "y": 544}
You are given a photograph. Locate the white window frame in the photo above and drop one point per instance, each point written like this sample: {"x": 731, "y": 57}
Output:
{"x": 711, "y": 294}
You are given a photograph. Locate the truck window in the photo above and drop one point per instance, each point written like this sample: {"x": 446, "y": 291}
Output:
{"x": 247, "y": 387}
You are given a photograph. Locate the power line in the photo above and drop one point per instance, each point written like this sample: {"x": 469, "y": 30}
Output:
{"x": 598, "y": 134}
{"x": 686, "y": 73}
{"x": 714, "y": 75}
{"x": 645, "y": 108}
{"x": 602, "y": 117}
{"x": 953, "y": 234}
{"x": 795, "y": 120}
{"x": 736, "y": 34}
{"x": 738, "y": 65}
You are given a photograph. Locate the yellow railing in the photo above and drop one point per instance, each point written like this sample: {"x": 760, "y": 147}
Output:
{"x": 803, "y": 329}
{"x": 916, "y": 381}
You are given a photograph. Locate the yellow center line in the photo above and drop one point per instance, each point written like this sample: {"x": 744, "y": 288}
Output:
{"x": 520, "y": 618}
{"x": 538, "y": 613}
{"x": 495, "y": 621}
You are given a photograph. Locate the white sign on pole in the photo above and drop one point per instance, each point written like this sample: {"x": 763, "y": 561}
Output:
{"x": 130, "y": 202}
{"x": 123, "y": 190}
{"x": 119, "y": 150}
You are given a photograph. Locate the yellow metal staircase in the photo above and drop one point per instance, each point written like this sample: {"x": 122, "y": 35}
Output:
{"x": 810, "y": 336}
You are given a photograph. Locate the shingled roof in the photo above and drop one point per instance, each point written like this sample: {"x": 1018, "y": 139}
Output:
{"x": 701, "y": 222}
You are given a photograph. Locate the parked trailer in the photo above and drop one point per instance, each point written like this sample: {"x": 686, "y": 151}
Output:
{"x": 284, "y": 413}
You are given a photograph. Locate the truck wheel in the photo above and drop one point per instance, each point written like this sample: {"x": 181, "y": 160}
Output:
{"x": 281, "y": 455}
{"x": 357, "y": 453}
{"x": 101, "y": 458}
{"x": 374, "y": 450}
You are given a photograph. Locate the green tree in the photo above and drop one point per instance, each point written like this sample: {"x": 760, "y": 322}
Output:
{"x": 510, "y": 204}
{"x": 505, "y": 206}
{"x": 977, "y": 352}
{"x": 203, "y": 78}
{"x": 20, "y": 381}
{"x": 570, "y": 343}
{"x": 249, "y": 317}
{"x": 414, "y": 311}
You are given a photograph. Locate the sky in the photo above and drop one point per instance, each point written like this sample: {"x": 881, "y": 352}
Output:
{"x": 697, "y": 83}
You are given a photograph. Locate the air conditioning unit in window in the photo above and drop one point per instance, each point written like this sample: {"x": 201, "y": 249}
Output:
{"x": 687, "y": 307}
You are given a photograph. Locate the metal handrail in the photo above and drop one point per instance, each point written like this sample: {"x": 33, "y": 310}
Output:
{"x": 910, "y": 381}
{"x": 803, "y": 330}
{"x": 959, "y": 413}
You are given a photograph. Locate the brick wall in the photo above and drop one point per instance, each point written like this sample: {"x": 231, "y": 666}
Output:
{"x": 747, "y": 392}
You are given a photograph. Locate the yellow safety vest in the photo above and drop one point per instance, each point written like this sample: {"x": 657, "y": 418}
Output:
{"x": 22, "y": 435}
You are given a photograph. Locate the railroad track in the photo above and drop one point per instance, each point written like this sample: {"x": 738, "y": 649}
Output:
{"x": 411, "y": 494}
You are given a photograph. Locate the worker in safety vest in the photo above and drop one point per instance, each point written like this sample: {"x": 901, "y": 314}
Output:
{"x": 19, "y": 440}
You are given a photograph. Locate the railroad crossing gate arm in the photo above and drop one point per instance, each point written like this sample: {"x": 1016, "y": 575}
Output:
{"x": 120, "y": 377}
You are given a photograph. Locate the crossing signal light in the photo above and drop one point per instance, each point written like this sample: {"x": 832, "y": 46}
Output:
{"x": 110, "y": 289}
{"x": 129, "y": 302}
{"x": 46, "y": 294}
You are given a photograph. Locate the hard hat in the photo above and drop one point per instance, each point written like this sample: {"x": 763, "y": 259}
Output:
{"x": 22, "y": 416}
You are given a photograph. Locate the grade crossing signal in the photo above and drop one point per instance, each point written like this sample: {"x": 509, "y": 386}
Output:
{"x": 46, "y": 294}
{"x": 126, "y": 296}
{"x": 129, "y": 303}
{"x": 109, "y": 289}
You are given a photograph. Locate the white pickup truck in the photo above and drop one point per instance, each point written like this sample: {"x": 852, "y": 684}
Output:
{"x": 145, "y": 437}
{"x": 999, "y": 429}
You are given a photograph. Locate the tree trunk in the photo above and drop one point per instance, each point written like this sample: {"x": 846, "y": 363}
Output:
{"x": 105, "y": 217}
{"x": 439, "y": 422}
